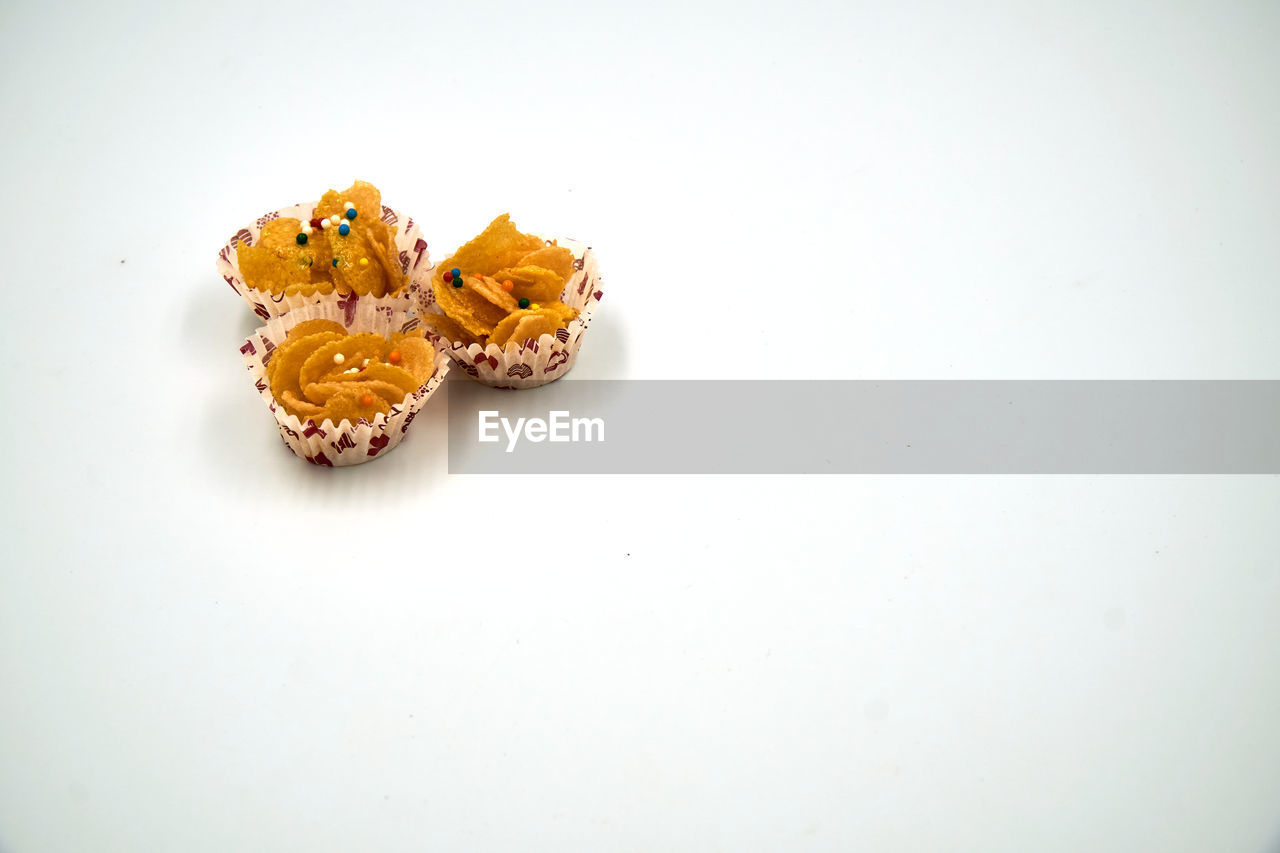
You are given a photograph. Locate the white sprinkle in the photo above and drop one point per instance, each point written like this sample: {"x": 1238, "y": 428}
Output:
{"x": 324, "y": 223}
{"x": 338, "y": 358}
{"x": 306, "y": 228}
{"x": 348, "y": 206}
{"x": 352, "y": 370}
{"x": 366, "y": 363}
{"x": 335, "y": 219}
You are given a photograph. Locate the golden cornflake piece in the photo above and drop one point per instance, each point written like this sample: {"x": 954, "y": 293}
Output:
{"x": 558, "y": 259}
{"x": 286, "y": 363}
{"x": 537, "y": 284}
{"x": 399, "y": 380}
{"x": 533, "y": 326}
{"x": 336, "y": 357}
{"x": 322, "y": 262}
{"x": 562, "y": 313}
{"x": 418, "y": 358}
{"x": 397, "y": 337}
{"x": 499, "y": 245}
{"x": 312, "y": 327}
{"x": 350, "y": 404}
{"x": 556, "y": 315}
{"x": 468, "y": 309}
{"x": 281, "y": 233}
{"x": 489, "y": 289}
{"x": 446, "y": 328}
{"x": 322, "y": 392}
{"x": 277, "y": 261}
{"x": 366, "y": 198}
{"x": 369, "y": 240}
{"x": 502, "y": 332}
{"x": 299, "y": 408}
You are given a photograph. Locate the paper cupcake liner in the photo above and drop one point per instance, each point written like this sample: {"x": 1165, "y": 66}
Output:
{"x": 410, "y": 244}
{"x": 541, "y": 361}
{"x": 343, "y": 443}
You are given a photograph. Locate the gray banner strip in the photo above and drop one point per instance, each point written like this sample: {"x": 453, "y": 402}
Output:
{"x": 865, "y": 427}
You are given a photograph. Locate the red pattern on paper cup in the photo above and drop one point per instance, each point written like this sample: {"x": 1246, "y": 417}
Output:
{"x": 411, "y": 247}
{"x": 526, "y": 364}
{"x": 344, "y": 443}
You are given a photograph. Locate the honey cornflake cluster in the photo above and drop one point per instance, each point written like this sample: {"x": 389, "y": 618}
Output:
{"x": 503, "y": 287}
{"x": 344, "y": 246}
{"x": 322, "y": 372}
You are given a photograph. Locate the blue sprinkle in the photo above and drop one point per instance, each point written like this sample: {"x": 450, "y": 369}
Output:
{"x": 335, "y": 262}
{"x": 351, "y": 213}
{"x": 344, "y": 229}
{"x": 455, "y": 272}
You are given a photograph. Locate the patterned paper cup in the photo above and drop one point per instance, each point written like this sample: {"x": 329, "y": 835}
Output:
{"x": 530, "y": 363}
{"x": 345, "y": 443}
{"x": 412, "y": 248}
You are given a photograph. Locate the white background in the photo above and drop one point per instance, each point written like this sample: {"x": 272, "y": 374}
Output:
{"x": 207, "y": 645}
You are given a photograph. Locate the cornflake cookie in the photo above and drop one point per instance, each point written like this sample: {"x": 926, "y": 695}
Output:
{"x": 344, "y": 246}
{"x": 503, "y": 288}
{"x": 321, "y": 372}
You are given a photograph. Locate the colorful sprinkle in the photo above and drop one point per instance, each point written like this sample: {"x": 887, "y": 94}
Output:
{"x": 302, "y": 239}
{"x": 523, "y": 303}
{"x": 366, "y": 400}
{"x": 394, "y": 356}
{"x": 457, "y": 282}
{"x": 338, "y": 358}
{"x": 344, "y": 229}
{"x": 364, "y": 262}
{"x": 315, "y": 223}
{"x": 507, "y": 285}
{"x": 448, "y": 277}
{"x": 535, "y": 306}
{"x": 351, "y": 213}
{"x": 456, "y": 272}
{"x": 335, "y": 262}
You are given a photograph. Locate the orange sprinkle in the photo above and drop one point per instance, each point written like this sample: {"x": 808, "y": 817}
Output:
{"x": 366, "y": 400}
{"x": 477, "y": 276}
{"x": 394, "y": 356}
{"x": 507, "y": 285}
